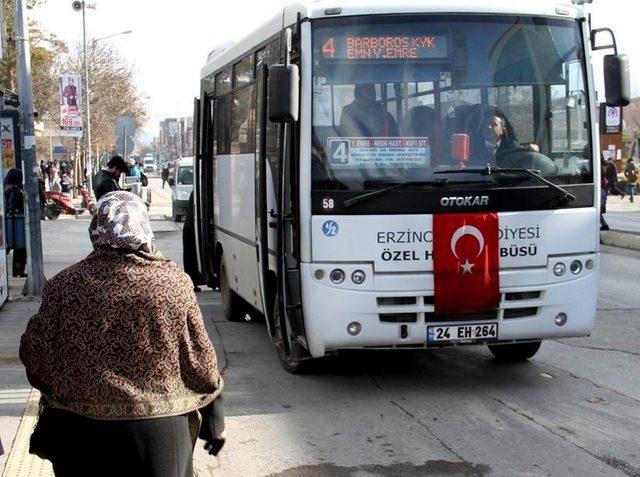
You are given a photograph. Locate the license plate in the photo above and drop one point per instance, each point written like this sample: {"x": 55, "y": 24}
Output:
{"x": 462, "y": 333}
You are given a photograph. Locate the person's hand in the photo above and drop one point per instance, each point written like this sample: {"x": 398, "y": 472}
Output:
{"x": 214, "y": 445}
{"x": 212, "y": 429}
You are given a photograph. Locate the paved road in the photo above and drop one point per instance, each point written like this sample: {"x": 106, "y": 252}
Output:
{"x": 572, "y": 410}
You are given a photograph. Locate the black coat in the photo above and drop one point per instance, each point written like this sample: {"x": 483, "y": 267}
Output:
{"x": 189, "y": 245}
{"x": 104, "y": 182}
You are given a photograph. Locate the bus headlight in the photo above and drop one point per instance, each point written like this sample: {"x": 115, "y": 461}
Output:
{"x": 337, "y": 275}
{"x": 575, "y": 267}
{"x": 358, "y": 277}
{"x": 589, "y": 264}
{"x": 559, "y": 269}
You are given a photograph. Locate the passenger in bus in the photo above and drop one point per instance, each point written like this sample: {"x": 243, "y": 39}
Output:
{"x": 365, "y": 117}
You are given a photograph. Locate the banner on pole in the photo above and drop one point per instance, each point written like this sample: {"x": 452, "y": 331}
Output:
{"x": 71, "y": 108}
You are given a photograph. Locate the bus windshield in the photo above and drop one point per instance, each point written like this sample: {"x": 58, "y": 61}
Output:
{"x": 397, "y": 100}
{"x": 185, "y": 175}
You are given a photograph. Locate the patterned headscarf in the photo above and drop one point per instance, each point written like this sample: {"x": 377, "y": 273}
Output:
{"x": 121, "y": 221}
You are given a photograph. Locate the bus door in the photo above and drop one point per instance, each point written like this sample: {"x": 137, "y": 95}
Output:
{"x": 262, "y": 214}
{"x": 204, "y": 197}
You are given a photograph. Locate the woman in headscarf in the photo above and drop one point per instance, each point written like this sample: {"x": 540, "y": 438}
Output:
{"x": 14, "y": 205}
{"x": 119, "y": 351}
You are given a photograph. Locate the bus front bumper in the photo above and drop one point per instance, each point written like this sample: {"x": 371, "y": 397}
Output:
{"x": 531, "y": 301}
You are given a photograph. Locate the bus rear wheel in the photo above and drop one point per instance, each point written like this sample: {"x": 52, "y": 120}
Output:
{"x": 232, "y": 308}
{"x": 291, "y": 362}
{"x": 510, "y": 353}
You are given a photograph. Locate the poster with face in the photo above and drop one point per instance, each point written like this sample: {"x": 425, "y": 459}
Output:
{"x": 71, "y": 108}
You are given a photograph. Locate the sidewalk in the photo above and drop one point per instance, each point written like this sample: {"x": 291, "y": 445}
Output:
{"x": 15, "y": 390}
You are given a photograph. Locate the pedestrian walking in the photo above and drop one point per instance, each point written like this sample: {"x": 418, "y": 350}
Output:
{"x": 631, "y": 174}
{"x": 165, "y": 175}
{"x": 189, "y": 245}
{"x": 50, "y": 174}
{"x": 53, "y": 174}
{"x": 106, "y": 180}
{"x": 121, "y": 356}
{"x": 611, "y": 175}
{"x": 134, "y": 170}
{"x": 14, "y": 221}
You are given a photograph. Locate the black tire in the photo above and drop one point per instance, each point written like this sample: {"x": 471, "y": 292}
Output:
{"x": 232, "y": 305}
{"x": 510, "y": 353}
{"x": 292, "y": 363}
{"x": 51, "y": 212}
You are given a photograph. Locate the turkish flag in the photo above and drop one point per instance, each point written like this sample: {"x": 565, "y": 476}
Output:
{"x": 466, "y": 269}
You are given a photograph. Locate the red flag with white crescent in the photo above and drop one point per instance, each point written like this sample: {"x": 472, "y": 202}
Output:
{"x": 466, "y": 268}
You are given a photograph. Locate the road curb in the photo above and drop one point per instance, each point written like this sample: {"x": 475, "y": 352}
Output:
{"x": 626, "y": 240}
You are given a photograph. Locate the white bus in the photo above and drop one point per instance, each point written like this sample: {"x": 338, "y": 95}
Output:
{"x": 406, "y": 175}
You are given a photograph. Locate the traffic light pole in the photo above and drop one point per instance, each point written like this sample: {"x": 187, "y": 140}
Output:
{"x": 35, "y": 269}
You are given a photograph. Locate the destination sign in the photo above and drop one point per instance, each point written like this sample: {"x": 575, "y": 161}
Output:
{"x": 383, "y": 43}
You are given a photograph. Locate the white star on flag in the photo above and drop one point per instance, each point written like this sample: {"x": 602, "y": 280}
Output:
{"x": 467, "y": 267}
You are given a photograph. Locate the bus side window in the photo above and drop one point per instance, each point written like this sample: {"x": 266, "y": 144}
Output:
{"x": 243, "y": 109}
{"x": 222, "y": 123}
{"x": 222, "y": 111}
{"x": 243, "y": 114}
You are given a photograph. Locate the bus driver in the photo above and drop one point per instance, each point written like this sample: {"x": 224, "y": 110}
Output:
{"x": 495, "y": 140}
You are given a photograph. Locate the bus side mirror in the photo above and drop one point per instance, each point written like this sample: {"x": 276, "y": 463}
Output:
{"x": 616, "y": 80}
{"x": 616, "y": 69}
{"x": 171, "y": 182}
{"x": 284, "y": 93}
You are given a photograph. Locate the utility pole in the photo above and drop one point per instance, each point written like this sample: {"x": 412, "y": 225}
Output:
{"x": 86, "y": 102}
{"x": 35, "y": 270}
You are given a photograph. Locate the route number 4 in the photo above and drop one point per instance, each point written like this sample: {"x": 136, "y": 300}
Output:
{"x": 339, "y": 151}
{"x": 329, "y": 49}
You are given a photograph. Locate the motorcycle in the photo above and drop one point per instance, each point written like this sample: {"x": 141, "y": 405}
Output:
{"x": 58, "y": 203}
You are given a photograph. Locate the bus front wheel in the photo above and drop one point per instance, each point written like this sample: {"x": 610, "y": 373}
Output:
{"x": 232, "y": 308}
{"x": 510, "y": 353}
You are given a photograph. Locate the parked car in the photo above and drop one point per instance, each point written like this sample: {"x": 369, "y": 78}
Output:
{"x": 181, "y": 183}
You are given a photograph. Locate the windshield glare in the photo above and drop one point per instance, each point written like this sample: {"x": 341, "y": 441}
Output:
{"x": 397, "y": 100}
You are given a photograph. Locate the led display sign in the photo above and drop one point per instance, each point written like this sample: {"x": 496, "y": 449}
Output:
{"x": 393, "y": 42}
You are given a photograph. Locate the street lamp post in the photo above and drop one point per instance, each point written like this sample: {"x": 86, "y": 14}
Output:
{"x": 82, "y": 6}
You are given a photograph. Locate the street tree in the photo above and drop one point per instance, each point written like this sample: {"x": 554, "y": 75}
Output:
{"x": 112, "y": 91}
{"x": 47, "y": 54}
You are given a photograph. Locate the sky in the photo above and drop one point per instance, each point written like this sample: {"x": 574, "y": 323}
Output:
{"x": 170, "y": 40}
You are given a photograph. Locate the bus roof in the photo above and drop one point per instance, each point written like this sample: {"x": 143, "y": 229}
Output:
{"x": 221, "y": 56}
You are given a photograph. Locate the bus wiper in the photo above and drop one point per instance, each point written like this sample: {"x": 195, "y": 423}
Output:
{"x": 396, "y": 185}
{"x": 565, "y": 196}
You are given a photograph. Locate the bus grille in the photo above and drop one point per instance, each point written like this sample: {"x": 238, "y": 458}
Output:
{"x": 421, "y": 308}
